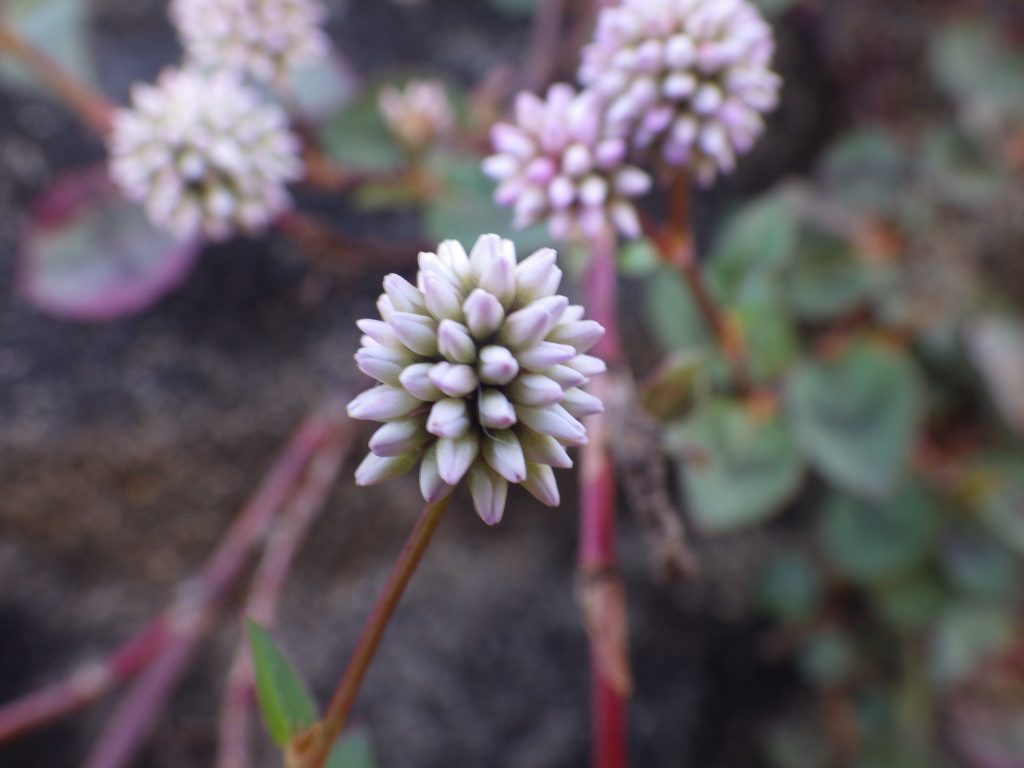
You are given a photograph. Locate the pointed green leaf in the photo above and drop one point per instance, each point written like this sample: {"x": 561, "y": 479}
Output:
{"x": 857, "y": 416}
{"x": 826, "y": 279}
{"x": 738, "y": 467}
{"x": 761, "y": 238}
{"x": 284, "y": 700}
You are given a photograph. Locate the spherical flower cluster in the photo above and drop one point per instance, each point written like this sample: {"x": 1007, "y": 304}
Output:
{"x": 264, "y": 39}
{"x": 687, "y": 78}
{"x": 205, "y": 154}
{"x": 418, "y": 114}
{"x": 555, "y": 163}
{"x": 480, "y": 366}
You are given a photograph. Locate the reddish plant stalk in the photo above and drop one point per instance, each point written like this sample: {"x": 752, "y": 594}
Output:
{"x": 602, "y": 595}
{"x": 268, "y": 583}
{"x": 202, "y": 599}
{"x": 325, "y": 734}
{"x": 92, "y": 107}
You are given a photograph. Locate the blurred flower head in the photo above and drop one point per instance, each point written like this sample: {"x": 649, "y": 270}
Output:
{"x": 263, "y": 39}
{"x": 480, "y": 366}
{"x": 418, "y": 114}
{"x": 688, "y": 79}
{"x": 556, "y": 163}
{"x": 205, "y": 154}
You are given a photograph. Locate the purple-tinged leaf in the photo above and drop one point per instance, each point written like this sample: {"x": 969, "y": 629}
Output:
{"x": 88, "y": 254}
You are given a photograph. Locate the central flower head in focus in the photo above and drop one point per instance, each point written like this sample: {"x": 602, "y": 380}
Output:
{"x": 480, "y": 365}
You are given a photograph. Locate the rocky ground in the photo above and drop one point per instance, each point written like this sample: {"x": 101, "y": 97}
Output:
{"x": 126, "y": 448}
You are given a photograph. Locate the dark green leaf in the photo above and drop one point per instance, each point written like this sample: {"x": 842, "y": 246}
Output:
{"x": 58, "y": 27}
{"x": 284, "y": 700}
{"x": 515, "y": 7}
{"x": 912, "y": 602}
{"x": 857, "y": 416}
{"x": 829, "y": 657}
{"x": 465, "y": 209}
{"x": 672, "y": 312}
{"x": 790, "y": 588}
{"x": 738, "y": 467}
{"x": 866, "y": 170}
{"x": 357, "y": 139}
{"x": 826, "y": 279}
{"x": 968, "y": 635}
{"x": 669, "y": 392}
{"x": 761, "y": 238}
{"x": 638, "y": 258}
{"x": 768, "y": 331}
{"x": 353, "y": 750}
{"x": 870, "y": 542}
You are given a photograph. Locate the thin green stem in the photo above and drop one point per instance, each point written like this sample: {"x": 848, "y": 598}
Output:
{"x": 345, "y": 695}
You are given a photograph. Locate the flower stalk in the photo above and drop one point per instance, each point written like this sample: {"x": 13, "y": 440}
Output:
{"x": 601, "y": 593}
{"x": 327, "y": 731}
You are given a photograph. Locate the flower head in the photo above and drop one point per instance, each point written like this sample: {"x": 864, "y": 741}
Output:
{"x": 480, "y": 366}
{"x": 418, "y": 114}
{"x": 688, "y": 78}
{"x": 204, "y": 153}
{"x": 263, "y": 39}
{"x": 556, "y": 163}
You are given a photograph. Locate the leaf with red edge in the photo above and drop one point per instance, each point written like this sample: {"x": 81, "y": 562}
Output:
{"x": 88, "y": 254}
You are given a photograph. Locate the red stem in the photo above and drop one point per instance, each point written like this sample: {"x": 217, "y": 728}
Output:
{"x": 195, "y": 612}
{"x": 602, "y": 594}
{"x": 283, "y": 545}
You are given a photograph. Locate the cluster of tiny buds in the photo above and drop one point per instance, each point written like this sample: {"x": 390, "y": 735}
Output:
{"x": 205, "y": 154}
{"x": 681, "y": 84}
{"x": 479, "y": 366}
{"x": 419, "y": 114}
{"x": 555, "y": 163}
{"x": 261, "y": 39}
{"x": 689, "y": 79}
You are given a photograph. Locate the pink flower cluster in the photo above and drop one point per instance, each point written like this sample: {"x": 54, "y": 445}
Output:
{"x": 480, "y": 366}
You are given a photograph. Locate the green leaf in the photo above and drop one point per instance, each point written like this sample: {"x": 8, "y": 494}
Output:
{"x": 790, "y": 588}
{"x": 672, "y": 312}
{"x": 973, "y": 63}
{"x": 353, "y": 750}
{"x": 826, "y": 279}
{"x": 59, "y": 27}
{"x": 515, "y": 7}
{"x": 357, "y": 139}
{"x": 857, "y": 416}
{"x": 866, "y": 170}
{"x": 465, "y": 209}
{"x": 320, "y": 90}
{"x": 777, "y": 7}
{"x": 829, "y": 657}
{"x": 979, "y": 565}
{"x": 284, "y": 700}
{"x": 738, "y": 468}
{"x": 967, "y": 636}
{"x": 871, "y": 542}
{"x": 768, "y": 331}
{"x": 638, "y": 258}
{"x": 1002, "y": 506}
{"x": 912, "y": 602}
{"x": 670, "y": 391}
{"x": 760, "y": 238}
